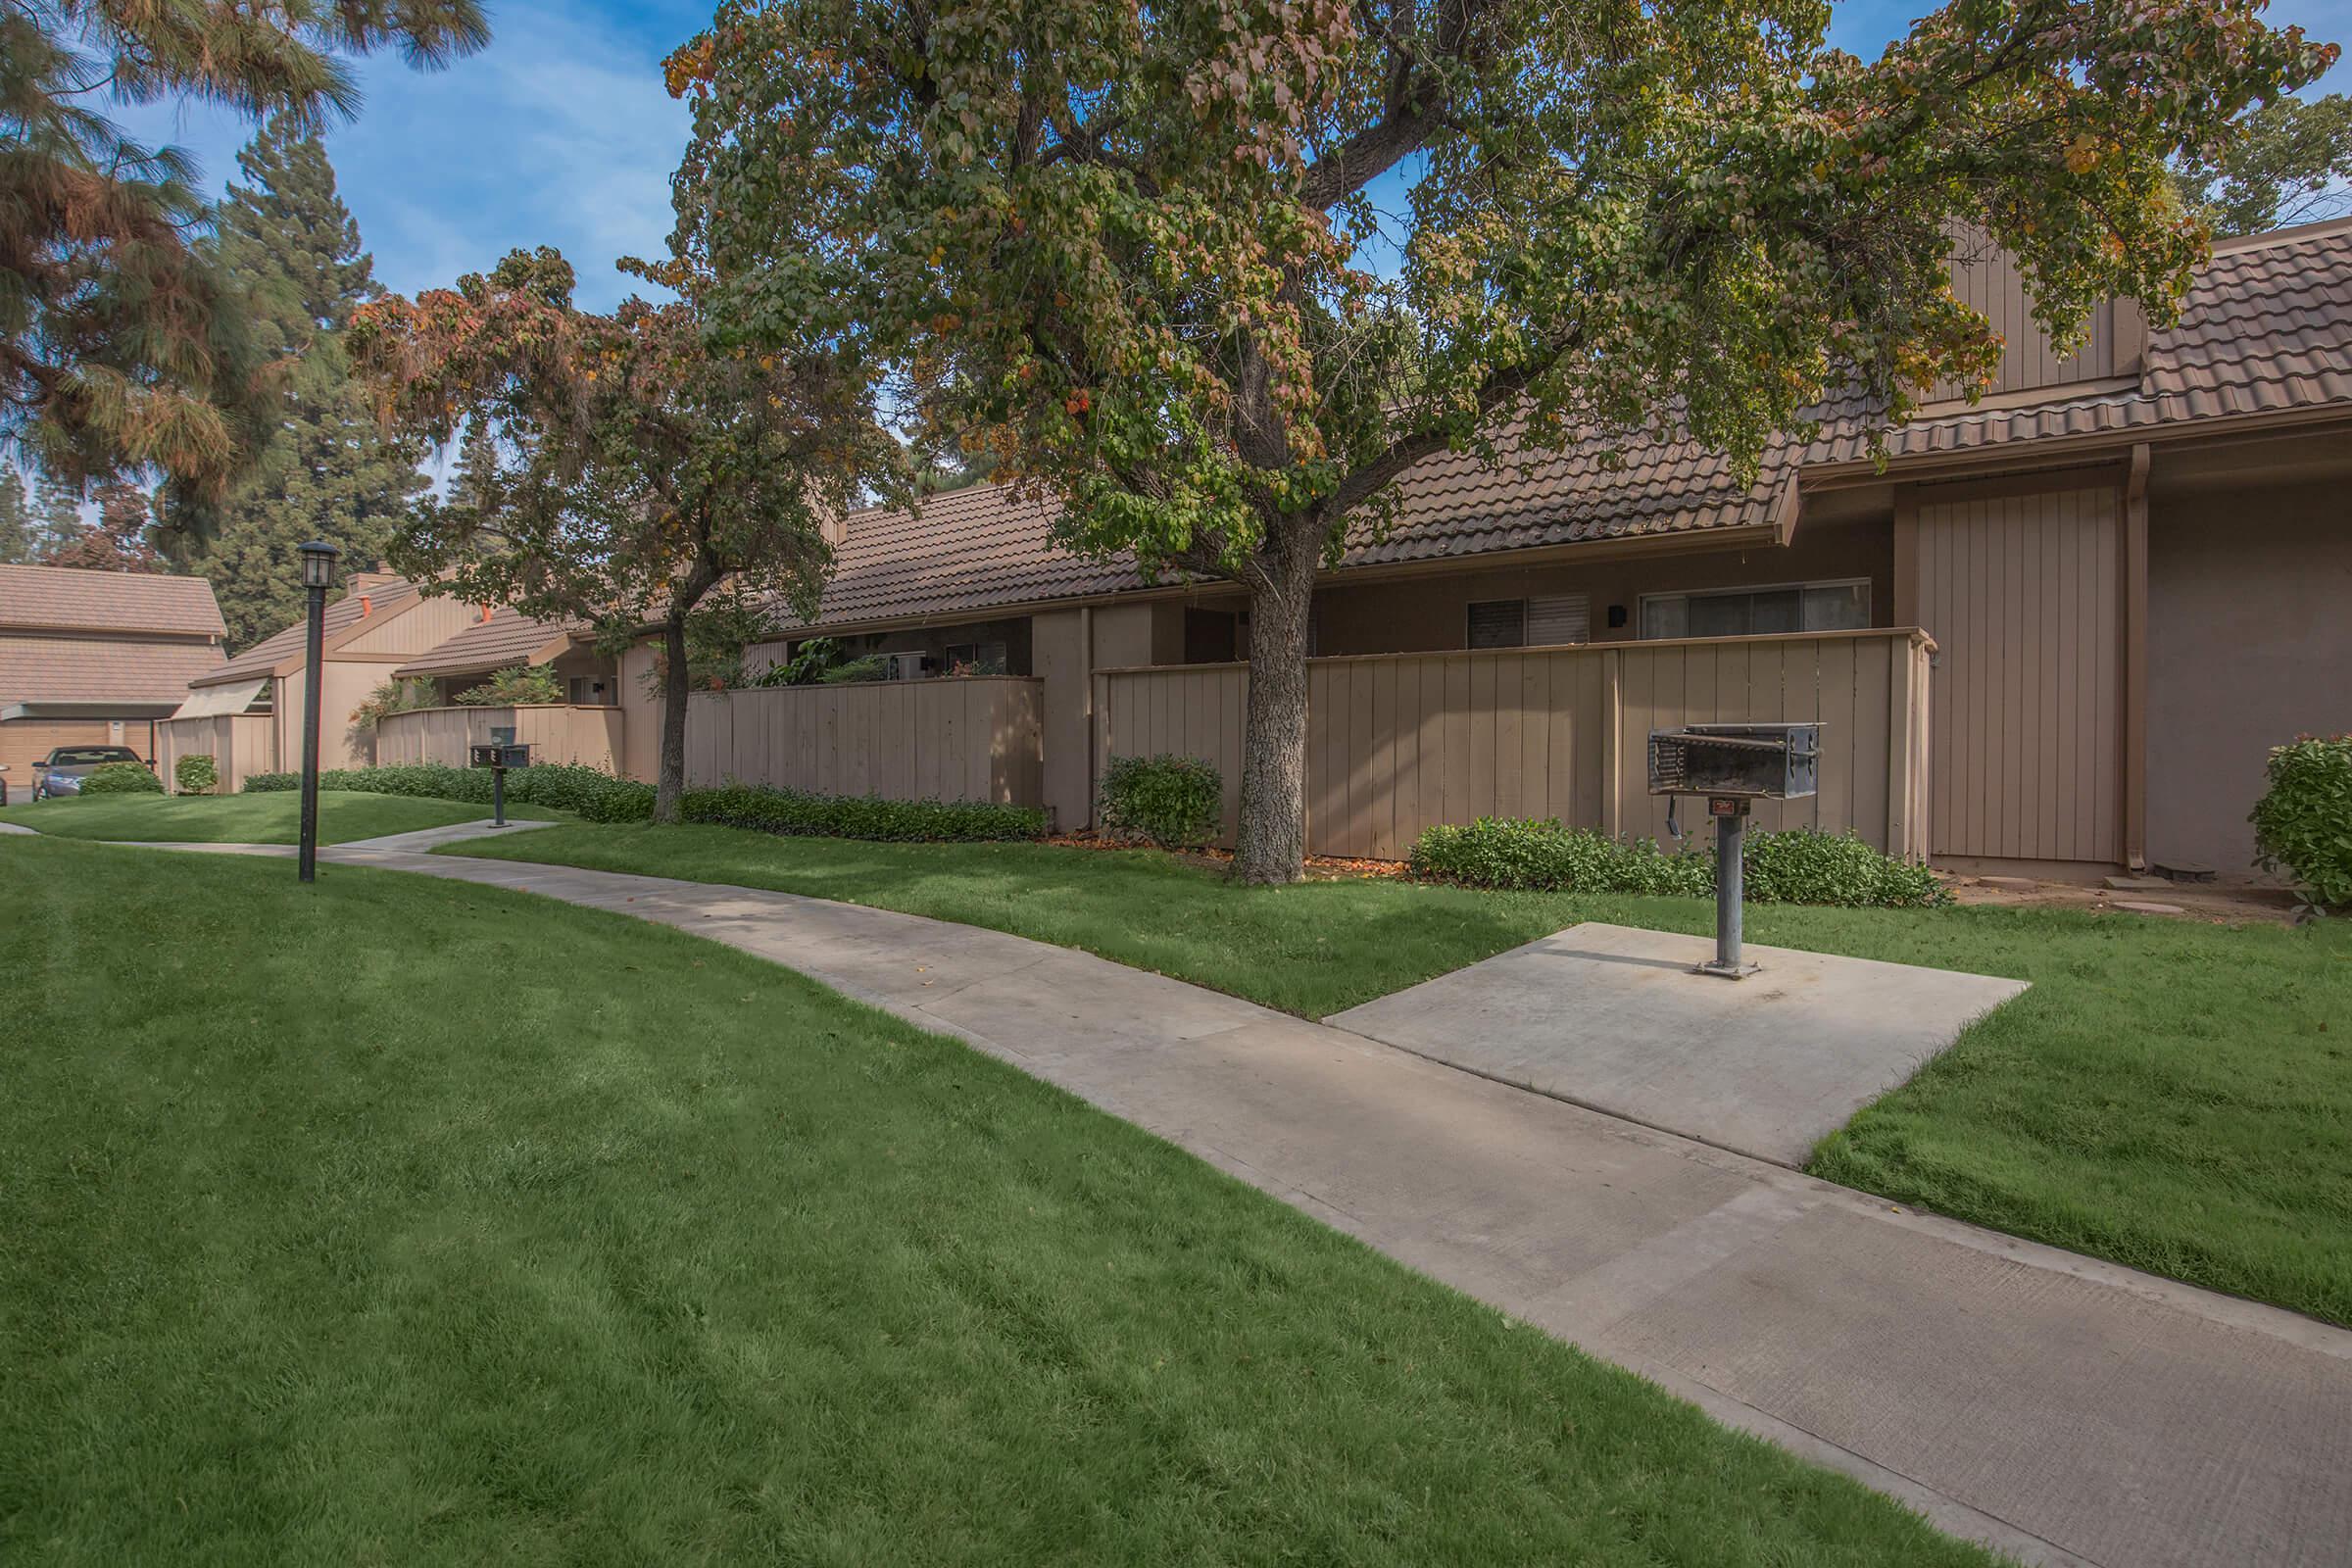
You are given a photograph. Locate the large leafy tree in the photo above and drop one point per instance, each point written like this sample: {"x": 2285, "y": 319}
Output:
{"x": 620, "y": 467}
{"x": 324, "y": 468}
{"x": 121, "y": 346}
{"x": 120, "y": 540}
{"x": 2289, "y": 161}
{"x": 1119, "y": 246}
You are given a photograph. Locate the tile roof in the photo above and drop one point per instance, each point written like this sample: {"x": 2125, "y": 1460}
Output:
{"x": 69, "y": 598}
{"x": 263, "y": 657}
{"x": 508, "y": 637}
{"x": 984, "y": 546}
{"x": 123, "y": 668}
{"x": 2266, "y": 328}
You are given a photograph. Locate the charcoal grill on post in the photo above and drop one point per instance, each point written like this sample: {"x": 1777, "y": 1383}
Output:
{"x": 1732, "y": 765}
{"x": 498, "y": 757}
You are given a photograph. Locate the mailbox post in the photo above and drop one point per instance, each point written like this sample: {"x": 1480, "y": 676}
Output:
{"x": 498, "y": 757}
{"x": 1732, "y": 765}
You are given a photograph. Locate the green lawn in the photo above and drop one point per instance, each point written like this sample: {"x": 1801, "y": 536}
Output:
{"x": 2170, "y": 1095}
{"x": 270, "y": 818}
{"x": 393, "y": 1220}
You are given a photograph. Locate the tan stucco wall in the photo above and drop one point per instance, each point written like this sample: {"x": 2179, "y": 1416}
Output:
{"x": 343, "y": 687}
{"x": 2249, "y": 643}
{"x": 1423, "y": 614}
{"x": 420, "y": 626}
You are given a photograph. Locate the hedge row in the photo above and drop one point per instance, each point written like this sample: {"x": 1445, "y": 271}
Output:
{"x": 601, "y": 798}
{"x": 593, "y": 794}
{"x": 851, "y": 817}
{"x": 1799, "y": 866}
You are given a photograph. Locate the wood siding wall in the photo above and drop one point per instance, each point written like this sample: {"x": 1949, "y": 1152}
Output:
{"x": 1399, "y": 743}
{"x": 590, "y": 736}
{"x": 1990, "y": 281}
{"x": 2023, "y": 594}
{"x": 967, "y": 739}
{"x": 240, "y": 745}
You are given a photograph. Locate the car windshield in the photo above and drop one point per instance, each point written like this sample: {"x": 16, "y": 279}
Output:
{"x": 78, "y": 756}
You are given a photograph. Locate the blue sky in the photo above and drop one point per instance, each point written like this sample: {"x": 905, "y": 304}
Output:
{"x": 560, "y": 133}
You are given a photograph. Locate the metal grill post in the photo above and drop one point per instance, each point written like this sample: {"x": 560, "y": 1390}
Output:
{"x": 498, "y": 797}
{"x": 1731, "y": 872}
{"x": 1731, "y": 868}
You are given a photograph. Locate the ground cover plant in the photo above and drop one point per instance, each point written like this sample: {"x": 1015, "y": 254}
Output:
{"x": 2170, "y": 1095}
{"x": 236, "y": 818}
{"x": 1797, "y": 866}
{"x": 767, "y": 809}
{"x": 630, "y": 1247}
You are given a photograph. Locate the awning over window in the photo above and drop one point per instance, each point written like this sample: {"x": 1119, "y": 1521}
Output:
{"x": 230, "y": 697}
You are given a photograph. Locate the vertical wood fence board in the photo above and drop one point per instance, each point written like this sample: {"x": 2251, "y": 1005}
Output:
{"x": 970, "y": 738}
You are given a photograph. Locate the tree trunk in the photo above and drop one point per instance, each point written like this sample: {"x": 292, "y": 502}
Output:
{"x": 671, "y": 779}
{"x": 1272, "y": 845}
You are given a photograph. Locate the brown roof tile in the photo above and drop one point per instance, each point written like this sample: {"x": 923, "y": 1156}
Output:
{"x": 69, "y": 598}
{"x": 264, "y": 656}
{"x": 123, "y": 668}
{"x": 507, "y": 638}
{"x": 2266, "y": 328}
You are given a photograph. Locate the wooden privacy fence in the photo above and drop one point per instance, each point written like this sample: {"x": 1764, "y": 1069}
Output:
{"x": 970, "y": 738}
{"x": 555, "y": 732}
{"x": 1400, "y": 742}
{"x": 240, "y": 745}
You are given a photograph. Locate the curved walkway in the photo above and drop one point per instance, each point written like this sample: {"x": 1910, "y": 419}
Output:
{"x": 2060, "y": 1408}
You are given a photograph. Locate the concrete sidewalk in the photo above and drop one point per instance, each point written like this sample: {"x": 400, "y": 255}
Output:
{"x": 2062, "y": 1409}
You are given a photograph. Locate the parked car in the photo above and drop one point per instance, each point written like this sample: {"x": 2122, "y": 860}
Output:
{"x": 62, "y": 771}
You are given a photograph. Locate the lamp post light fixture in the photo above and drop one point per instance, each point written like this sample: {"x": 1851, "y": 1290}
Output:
{"x": 318, "y": 577}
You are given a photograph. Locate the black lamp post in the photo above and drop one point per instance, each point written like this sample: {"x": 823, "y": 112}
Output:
{"x": 318, "y": 577}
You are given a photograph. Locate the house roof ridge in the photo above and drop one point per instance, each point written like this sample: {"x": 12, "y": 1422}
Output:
{"x": 2292, "y": 235}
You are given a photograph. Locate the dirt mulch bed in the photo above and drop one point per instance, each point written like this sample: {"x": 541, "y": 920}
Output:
{"x": 1319, "y": 867}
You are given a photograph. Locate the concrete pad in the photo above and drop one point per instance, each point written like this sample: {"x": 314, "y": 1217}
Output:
{"x": 1612, "y": 1017}
{"x": 18, "y": 827}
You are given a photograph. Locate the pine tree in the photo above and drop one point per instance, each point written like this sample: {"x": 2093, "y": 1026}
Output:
{"x": 56, "y": 515}
{"x": 326, "y": 470}
{"x": 15, "y": 517}
{"x": 120, "y": 350}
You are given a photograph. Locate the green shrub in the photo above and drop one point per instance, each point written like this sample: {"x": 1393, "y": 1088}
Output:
{"x": 1802, "y": 866}
{"x": 597, "y": 796}
{"x": 195, "y": 774}
{"x": 525, "y": 684}
{"x": 874, "y": 666}
{"x": 1799, "y": 866}
{"x": 851, "y": 816}
{"x": 1524, "y": 854}
{"x": 1177, "y": 803}
{"x": 123, "y": 778}
{"x": 2303, "y": 822}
